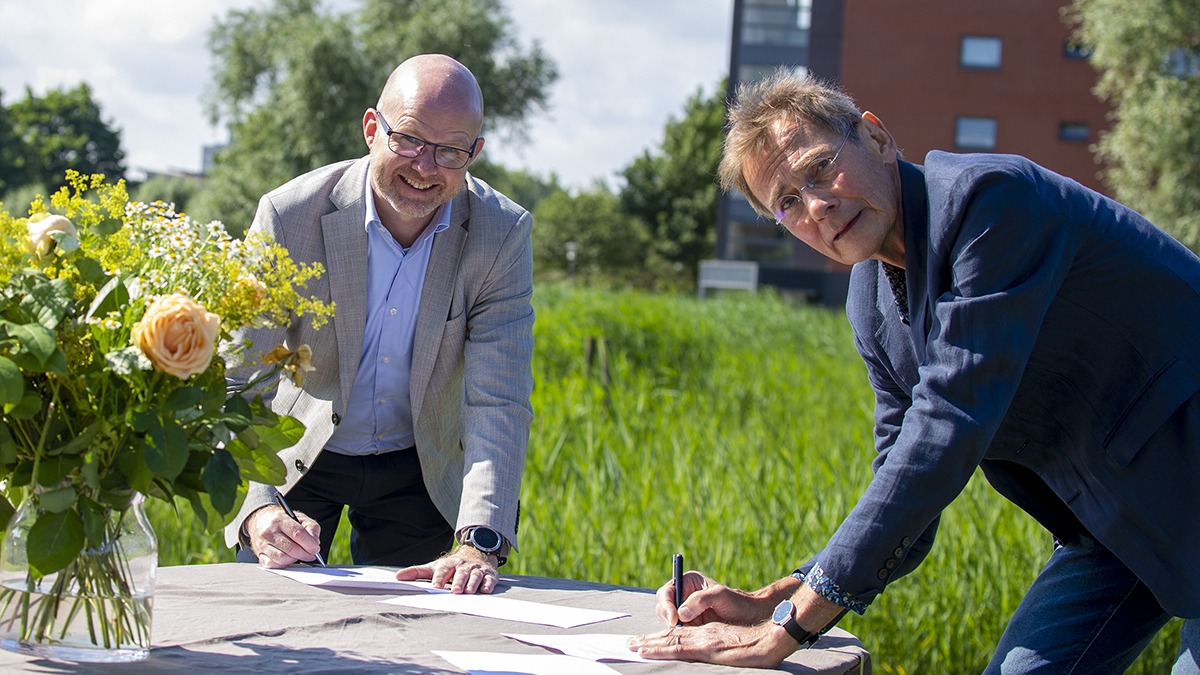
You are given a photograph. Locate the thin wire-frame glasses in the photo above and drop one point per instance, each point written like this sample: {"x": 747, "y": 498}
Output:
{"x": 820, "y": 175}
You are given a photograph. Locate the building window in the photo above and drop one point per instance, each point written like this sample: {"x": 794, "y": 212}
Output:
{"x": 1076, "y": 50}
{"x": 980, "y": 52}
{"x": 783, "y": 23}
{"x": 1073, "y": 131}
{"x": 975, "y": 133}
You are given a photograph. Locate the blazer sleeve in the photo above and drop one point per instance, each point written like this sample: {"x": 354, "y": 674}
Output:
{"x": 498, "y": 381}
{"x": 997, "y": 256}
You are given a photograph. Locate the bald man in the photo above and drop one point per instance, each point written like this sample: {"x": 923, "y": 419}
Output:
{"x": 418, "y": 414}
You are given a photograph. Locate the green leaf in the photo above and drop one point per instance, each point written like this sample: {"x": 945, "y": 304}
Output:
{"x": 221, "y": 478}
{"x": 57, "y": 501}
{"x": 6, "y": 510}
{"x": 107, "y": 226}
{"x": 127, "y": 361}
{"x": 29, "y": 406}
{"x": 91, "y": 470}
{"x": 144, "y": 420}
{"x": 67, "y": 243}
{"x": 283, "y": 435}
{"x": 166, "y": 449}
{"x": 12, "y": 383}
{"x": 52, "y": 470}
{"x": 184, "y": 398}
{"x": 93, "y": 521}
{"x": 8, "y": 449}
{"x": 238, "y": 406}
{"x": 49, "y": 302}
{"x": 111, "y": 297}
{"x": 90, "y": 271}
{"x": 132, "y": 463}
{"x": 212, "y": 519}
{"x": 258, "y": 465}
{"x": 80, "y": 442}
{"x": 39, "y": 340}
{"x": 54, "y": 541}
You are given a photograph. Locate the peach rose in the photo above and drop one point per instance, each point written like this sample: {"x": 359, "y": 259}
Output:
{"x": 40, "y": 240}
{"x": 177, "y": 335}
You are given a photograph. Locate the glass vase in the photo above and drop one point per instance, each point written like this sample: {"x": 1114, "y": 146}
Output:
{"x": 97, "y": 608}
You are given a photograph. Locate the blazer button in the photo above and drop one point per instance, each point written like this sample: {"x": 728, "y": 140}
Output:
{"x": 889, "y": 563}
{"x": 898, "y": 552}
{"x": 905, "y": 542}
{"x": 337, "y": 419}
{"x": 300, "y": 468}
{"x": 882, "y": 574}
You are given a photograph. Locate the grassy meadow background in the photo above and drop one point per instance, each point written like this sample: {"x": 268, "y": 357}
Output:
{"x": 737, "y": 431}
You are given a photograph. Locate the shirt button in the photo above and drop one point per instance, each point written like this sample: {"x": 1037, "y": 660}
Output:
{"x": 300, "y": 466}
{"x": 882, "y": 574}
{"x": 337, "y": 419}
{"x": 889, "y": 563}
{"x": 383, "y": 400}
{"x": 386, "y": 360}
{"x": 393, "y": 311}
{"x": 898, "y": 552}
{"x": 905, "y": 542}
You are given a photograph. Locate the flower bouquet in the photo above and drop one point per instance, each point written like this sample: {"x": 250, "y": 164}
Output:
{"x": 112, "y": 385}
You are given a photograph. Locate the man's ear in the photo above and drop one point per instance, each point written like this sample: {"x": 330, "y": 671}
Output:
{"x": 478, "y": 152}
{"x": 879, "y": 139}
{"x": 370, "y": 126}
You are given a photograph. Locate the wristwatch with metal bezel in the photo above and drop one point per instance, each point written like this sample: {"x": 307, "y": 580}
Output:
{"x": 485, "y": 540}
{"x": 785, "y": 616}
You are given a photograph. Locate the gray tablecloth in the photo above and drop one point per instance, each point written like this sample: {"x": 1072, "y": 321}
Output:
{"x": 237, "y": 618}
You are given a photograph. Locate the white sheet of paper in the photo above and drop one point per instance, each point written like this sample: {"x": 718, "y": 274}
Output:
{"x": 593, "y": 646}
{"x": 496, "y": 663}
{"x": 509, "y": 610}
{"x": 355, "y": 577}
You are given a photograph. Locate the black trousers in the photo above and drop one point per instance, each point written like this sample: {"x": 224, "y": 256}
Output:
{"x": 392, "y": 518}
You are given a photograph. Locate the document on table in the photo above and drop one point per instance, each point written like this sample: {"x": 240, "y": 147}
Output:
{"x": 504, "y": 608}
{"x": 594, "y": 647}
{"x": 374, "y": 578}
{"x": 494, "y": 663}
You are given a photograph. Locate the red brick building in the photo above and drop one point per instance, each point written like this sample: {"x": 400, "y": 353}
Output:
{"x": 954, "y": 75}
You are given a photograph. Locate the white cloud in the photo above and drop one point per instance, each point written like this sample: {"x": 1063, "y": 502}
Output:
{"x": 625, "y": 66}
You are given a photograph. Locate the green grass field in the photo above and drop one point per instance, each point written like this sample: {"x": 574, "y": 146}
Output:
{"x": 737, "y": 431}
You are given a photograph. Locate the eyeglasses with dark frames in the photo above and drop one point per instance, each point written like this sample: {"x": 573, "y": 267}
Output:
{"x": 407, "y": 145}
{"x": 819, "y": 175}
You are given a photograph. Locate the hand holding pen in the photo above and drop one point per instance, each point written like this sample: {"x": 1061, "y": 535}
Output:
{"x": 292, "y": 514}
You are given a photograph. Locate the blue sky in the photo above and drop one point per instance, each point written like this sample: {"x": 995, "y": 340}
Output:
{"x": 625, "y": 66}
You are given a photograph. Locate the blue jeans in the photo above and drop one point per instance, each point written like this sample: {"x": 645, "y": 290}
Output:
{"x": 1086, "y": 614}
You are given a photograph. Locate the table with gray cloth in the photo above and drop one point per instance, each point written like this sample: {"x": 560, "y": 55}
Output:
{"x": 239, "y": 618}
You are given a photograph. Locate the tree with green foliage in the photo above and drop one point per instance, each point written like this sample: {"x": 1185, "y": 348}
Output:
{"x": 519, "y": 185}
{"x": 1148, "y": 52}
{"x": 44, "y": 136}
{"x": 292, "y": 81}
{"x": 674, "y": 190}
{"x": 608, "y": 243}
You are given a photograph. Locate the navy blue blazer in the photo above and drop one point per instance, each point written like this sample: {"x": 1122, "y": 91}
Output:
{"x": 1055, "y": 343}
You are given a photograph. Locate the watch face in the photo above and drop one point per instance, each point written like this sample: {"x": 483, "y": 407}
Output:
{"x": 485, "y": 539}
{"x": 783, "y": 612}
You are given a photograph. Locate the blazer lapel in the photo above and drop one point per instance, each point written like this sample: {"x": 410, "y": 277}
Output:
{"x": 916, "y": 239}
{"x": 345, "y": 255}
{"x": 436, "y": 296}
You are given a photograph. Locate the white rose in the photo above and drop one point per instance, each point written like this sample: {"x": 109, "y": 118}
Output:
{"x": 40, "y": 240}
{"x": 177, "y": 335}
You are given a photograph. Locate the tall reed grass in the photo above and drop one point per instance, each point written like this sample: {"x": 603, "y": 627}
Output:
{"x": 738, "y": 431}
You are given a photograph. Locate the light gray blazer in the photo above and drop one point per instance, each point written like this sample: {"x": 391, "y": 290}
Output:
{"x": 473, "y": 347}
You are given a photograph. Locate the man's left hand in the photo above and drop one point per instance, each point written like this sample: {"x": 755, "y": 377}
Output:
{"x": 764, "y": 645}
{"x": 466, "y": 569}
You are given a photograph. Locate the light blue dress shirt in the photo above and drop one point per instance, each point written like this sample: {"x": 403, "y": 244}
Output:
{"x": 379, "y": 415}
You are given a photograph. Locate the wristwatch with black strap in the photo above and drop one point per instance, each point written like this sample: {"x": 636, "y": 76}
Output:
{"x": 485, "y": 540}
{"x": 785, "y": 616}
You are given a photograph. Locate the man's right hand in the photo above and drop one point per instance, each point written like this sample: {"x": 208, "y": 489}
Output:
{"x": 279, "y": 541}
{"x": 706, "y": 601}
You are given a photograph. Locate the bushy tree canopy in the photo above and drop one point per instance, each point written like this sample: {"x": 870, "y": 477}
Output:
{"x": 292, "y": 82}
{"x": 43, "y": 136}
{"x": 1148, "y": 52}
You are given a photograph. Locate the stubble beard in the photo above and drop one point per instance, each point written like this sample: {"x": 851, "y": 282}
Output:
{"x": 384, "y": 182}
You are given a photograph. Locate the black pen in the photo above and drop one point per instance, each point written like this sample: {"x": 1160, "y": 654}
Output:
{"x": 292, "y": 514}
{"x": 677, "y": 565}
